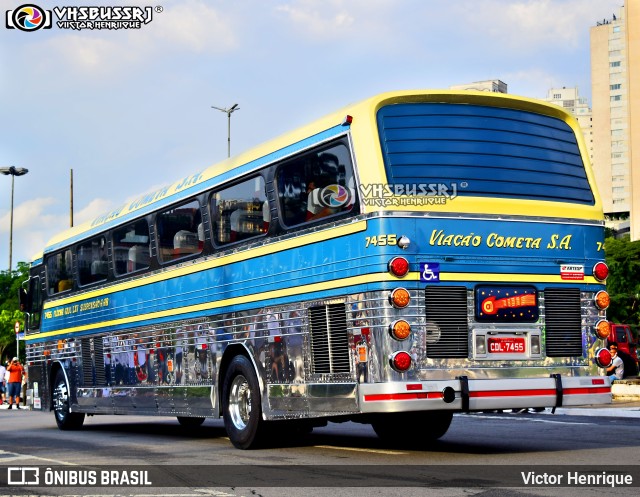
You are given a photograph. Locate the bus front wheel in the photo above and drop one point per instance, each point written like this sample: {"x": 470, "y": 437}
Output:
{"x": 242, "y": 410}
{"x": 414, "y": 428}
{"x": 65, "y": 419}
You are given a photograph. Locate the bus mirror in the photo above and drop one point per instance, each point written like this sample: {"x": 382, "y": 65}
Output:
{"x": 24, "y": 300}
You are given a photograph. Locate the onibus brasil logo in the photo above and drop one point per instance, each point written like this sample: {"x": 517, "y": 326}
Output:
{"x": 30, "y": 17}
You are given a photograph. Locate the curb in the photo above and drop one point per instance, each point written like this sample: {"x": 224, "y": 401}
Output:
{"x": 626, "y": 390}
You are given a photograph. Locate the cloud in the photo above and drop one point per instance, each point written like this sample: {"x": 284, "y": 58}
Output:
{"x": 336, "y": 20}
{"x": 25, "y": 213}
{"x": 37, "y": 221}
{"x": 319, "y": 19}
{"x": 188, "y": 28}
{"x": 95, "y": 208}
{"x": 530, "y": 23}
{"x": 197, "y": 27}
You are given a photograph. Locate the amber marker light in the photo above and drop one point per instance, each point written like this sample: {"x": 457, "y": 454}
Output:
{"x": 398, "y": 266}
{"x": 399, "y": 298}
{"x": 400, "y": 330}
{"x": 603, "y": 358}
{"x": 602, "y": 300}
{"x": 400, "y": 361}
{"x": 600, "y": 271}
{"x": 603, "y": 329}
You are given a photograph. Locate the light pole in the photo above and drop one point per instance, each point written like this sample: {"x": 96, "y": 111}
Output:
{"x": 228, "y": 111}
{"x": 13, "y": 171}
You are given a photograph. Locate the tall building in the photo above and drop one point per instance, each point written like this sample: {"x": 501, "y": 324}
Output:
{"x": 615, "y": 80}
{"x": 494, "y": 85}
{"x": 570, "y": 100}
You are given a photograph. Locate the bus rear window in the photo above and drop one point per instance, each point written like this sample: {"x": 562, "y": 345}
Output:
{"x": 482, "y": 151}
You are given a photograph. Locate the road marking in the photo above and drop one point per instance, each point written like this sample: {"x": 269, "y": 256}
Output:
{"x": 355, "y": 449}
{"x": 535, "y": 420}
{"x": 13, "y": 456}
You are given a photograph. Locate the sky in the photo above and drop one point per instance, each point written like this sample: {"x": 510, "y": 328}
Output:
{"x": 130, "y": 110}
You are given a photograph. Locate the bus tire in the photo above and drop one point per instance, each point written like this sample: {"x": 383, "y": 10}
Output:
{"x": 189, "y": 422}
{"x": 242, "y": 411}
{"x": 412, "y": 428}
{"x": 65, "y": 419}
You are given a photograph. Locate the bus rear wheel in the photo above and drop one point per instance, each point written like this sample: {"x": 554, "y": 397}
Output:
{"x": 65, "y": 419}
{"x": 412, "y": 428}
{"x": 242, "y": 411}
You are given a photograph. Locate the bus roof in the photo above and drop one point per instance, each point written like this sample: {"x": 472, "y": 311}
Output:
{"x": 288, "y": 144}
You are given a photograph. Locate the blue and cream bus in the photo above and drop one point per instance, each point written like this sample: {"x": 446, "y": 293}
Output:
{"x": 411, "y": 256}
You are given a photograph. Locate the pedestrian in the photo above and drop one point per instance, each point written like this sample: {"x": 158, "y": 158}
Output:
{"x": 616, "y": 370}
{"x": 16, "y": 372}
{"x": 3, "y": 371}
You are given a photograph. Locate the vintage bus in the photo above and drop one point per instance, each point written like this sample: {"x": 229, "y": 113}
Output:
{"x": 411, "y": 256}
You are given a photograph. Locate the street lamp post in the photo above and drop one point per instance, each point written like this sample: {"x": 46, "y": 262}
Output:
{"x": 228, "y": 111}
{"x": 13, "y": 171}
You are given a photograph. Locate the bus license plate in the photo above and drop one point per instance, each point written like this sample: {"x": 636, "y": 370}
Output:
{"x": 506, "y": 345}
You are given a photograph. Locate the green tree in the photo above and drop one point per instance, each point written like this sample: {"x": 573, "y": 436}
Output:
{"x": 10, "y": 283}
{"x": 623, "y": 283}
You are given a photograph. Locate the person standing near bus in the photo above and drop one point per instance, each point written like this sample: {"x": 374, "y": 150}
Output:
{"x": 16, "y": 372}
{"x": 3, "y": 371}
{"x": 616, "y": 370}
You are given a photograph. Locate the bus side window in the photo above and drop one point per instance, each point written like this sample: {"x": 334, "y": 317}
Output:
{"x": 131, "y": 247}
{"x": 316, "y": 185}
{"x": 92, "y": 261}
{"x": 239, "y": 212}
{"x": 177, "y": 230}
{"x": 59, "y": 276}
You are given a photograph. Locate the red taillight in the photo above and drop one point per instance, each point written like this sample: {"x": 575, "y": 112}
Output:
{"x": 600, "y": 271}
{"x": 398, "y": 266}
{"x": 602, "y": 300}
{"x": 347, "y": 120}
{"x": 400, "y": 298}
{"x": 400, "y": 361}
{"x": 603, "y": 358}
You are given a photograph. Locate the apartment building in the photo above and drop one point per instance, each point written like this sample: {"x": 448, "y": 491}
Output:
{"x": 615, "y": 80}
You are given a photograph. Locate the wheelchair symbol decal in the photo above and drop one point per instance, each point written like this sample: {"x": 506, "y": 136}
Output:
{"x": 430, "y": 272}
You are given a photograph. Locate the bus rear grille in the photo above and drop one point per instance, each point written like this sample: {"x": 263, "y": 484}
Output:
{"x": 329, "y": 342}
{"x": 446, "y": 307}
{"x": 563, "y": 322}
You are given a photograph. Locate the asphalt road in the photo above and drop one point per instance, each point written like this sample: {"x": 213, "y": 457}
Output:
{"x": 479, "y": 455}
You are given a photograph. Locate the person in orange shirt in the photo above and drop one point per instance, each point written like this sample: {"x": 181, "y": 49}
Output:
{"x": 16, "y": 372}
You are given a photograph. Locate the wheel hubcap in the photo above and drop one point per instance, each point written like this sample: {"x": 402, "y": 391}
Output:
{"x": 60, "y": 397}
{"x": 240, "y": 402}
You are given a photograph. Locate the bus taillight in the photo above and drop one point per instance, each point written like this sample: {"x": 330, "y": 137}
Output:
{"x": 398, "y": 266}
{"x": 603, "y": 329}
{"x": 602, "y": 300}
{"x": 603, "y": 358}
{"x": 400, "y": 361}
{"x": 400, "y": 298}
{"x": 600, "y": 271}
{"x": 400, "y": 330}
